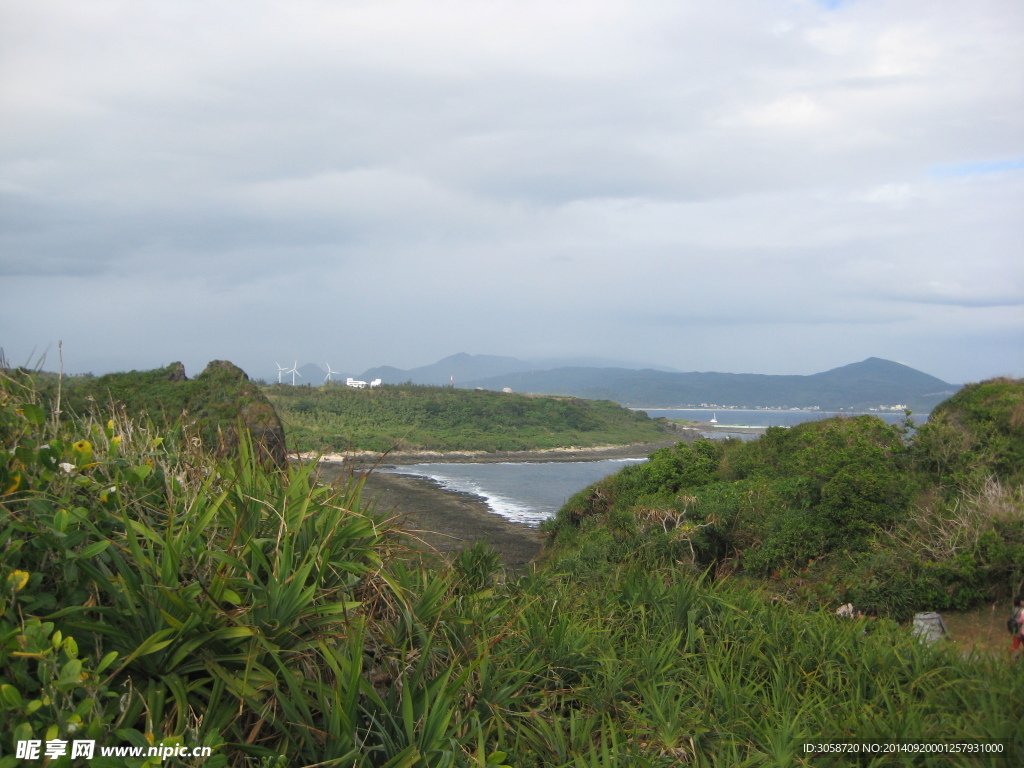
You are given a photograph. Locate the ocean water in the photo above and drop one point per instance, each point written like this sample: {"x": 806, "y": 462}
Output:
{"x": 758, "y": 418}
{"x": 524, "y": 492}
{"x": 738, "y": 417}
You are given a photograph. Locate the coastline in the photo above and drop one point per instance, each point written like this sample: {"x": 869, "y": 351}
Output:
{"x": 441, "y": 521}
{"x": 369, "y": 459}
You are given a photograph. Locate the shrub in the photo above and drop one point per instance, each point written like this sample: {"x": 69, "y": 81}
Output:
{"x": 976, "y": 434}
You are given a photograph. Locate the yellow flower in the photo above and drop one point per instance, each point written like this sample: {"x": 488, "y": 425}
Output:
{"x": 115, "y": 440}
{"x": 82, "y": 452}
{"x": 16, "y": 580}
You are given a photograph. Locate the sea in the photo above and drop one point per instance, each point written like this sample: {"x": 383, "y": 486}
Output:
{"x": 762, "y": 418}
{"x": 531, "y": 492}
{"x": 527, "y": 492}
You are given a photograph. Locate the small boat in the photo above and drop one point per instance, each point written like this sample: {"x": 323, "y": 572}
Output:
{"x": 714, "y": 418}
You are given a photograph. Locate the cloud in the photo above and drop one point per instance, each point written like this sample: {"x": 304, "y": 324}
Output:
{"x": 392, "y": 182}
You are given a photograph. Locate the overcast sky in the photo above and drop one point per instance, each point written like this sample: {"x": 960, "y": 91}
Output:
{"x": 763, "y": 186}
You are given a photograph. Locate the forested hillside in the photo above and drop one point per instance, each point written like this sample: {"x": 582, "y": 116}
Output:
{"x": 403, "y": 417}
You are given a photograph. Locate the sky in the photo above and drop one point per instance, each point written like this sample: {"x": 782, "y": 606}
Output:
{"x": 748, "y": 186}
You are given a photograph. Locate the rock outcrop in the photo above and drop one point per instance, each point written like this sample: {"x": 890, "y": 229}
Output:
{"x": 212, "y": 406}
{"x": 176, "y": 372}
{"x": 226, "y": 398}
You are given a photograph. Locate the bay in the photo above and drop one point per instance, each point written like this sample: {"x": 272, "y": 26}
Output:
{"x": 525, "y": 492}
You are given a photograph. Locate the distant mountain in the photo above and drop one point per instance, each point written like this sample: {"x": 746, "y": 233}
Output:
{"x": 311, "y": 373}
{"x": 462, "y": 368}
{"x": 465, "y": 369}
{"x": 548, "y": 364}
{"x": 868, "y": 384}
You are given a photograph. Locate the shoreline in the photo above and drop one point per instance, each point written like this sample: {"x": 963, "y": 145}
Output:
{"x": 437, "y": 520}
{"x": 440, "y": 521}
{"x": 370, "y": 459}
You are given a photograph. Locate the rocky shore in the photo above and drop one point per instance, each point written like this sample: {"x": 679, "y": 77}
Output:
{"x": 438, "y": 520}
{"x": 444, "y": 521}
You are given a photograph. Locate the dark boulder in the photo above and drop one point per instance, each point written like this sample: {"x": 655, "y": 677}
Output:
{"x": 224, "y": 399}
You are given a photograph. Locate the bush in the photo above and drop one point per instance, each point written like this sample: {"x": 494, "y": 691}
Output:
{"x": 152, "y": 593}
{"x": 149, "y": 581}
{"x": 852, "y": 490}
{"x": 975, "y": 435}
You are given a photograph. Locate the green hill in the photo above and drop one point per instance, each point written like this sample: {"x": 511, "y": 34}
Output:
{"x": 844, "y": 507}
{"x": 977, "y": 434}
{"x": 212, "y": 405}
{"x": 403, "y": 417}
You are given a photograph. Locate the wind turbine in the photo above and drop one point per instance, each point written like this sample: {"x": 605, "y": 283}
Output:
{"x": 280, "y": 369}
{"x": 330, "y": 373}
{"x": 294, "y": 372}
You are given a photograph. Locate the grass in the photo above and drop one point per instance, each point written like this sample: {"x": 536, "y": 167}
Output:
{"x": 982, "y": 630}
{"x": 152, "y": 593}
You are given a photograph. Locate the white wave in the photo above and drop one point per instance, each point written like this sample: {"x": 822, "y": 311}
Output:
{"x": 526, "y": 508}
{"x": 499, "y": 504}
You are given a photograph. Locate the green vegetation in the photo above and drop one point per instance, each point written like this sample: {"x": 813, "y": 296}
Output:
{"x": 210, "y": 407}
{"x": 403, "y": 417}
{"x": 831, "y": 511}
{"x": 976, "y": 435}
{"x": 154, "y": 593}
